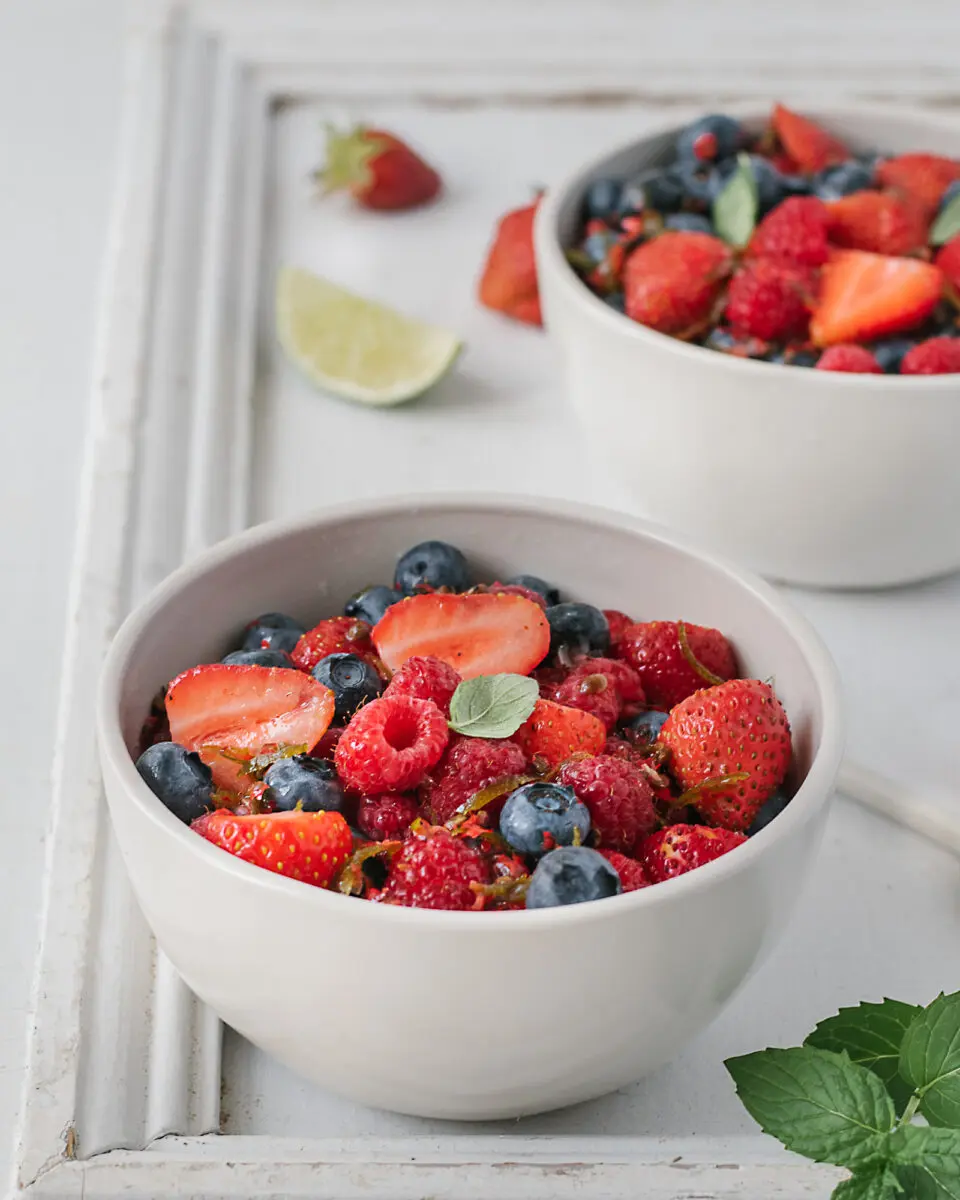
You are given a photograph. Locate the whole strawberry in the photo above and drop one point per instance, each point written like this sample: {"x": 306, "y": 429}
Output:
{"x": 553, "y": 732}
{"x": 434, "y": 869}
{"x": 682, "y": 848}
{"x": 672, "y": 665}
{"x": 878, "y": 222}
{"x": 508, "y": 283}
{"x": 771, "y": 299}
{"x": 619, "y": 799}
{"x": 336, "y": 635}
{"x": 673, "y": 282}
{"x": 808, "y": 144}
{"x": 379, "y": 170}
{"x": 309, "y": 846}
{"x": 924, "y": 177}
{"x": 738, "y": 728}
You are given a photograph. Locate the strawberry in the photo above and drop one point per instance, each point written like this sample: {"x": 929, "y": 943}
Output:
{"x": 231, "y": 713}
{"x": 509, "y": 281}
{"x": 379, "y": 170}
{"x": 948, "y": 260}
{"x": 735, "y": 728}
{"x": 682, "y": 848}
{"x": 924, "y": 177}
{"x": 855, "y": 360}
{"x": 310, "y": 846}
{"x": 795, "y": 230}
{"x": 770, "y": 298}
{"x": 673, "y": 282}
{"x": 476, "y": 634}
{"x": 880, "y": 222}
{"x": 865, "y": 296}
{"x": 618, "y": 622}
{"x": 336, "y": 635}
{"x": 669, "y": 670}
{"x": 554, "y": 732}
{"x": 807, "y": 144}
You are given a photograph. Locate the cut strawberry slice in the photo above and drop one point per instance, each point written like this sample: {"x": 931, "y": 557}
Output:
{"x": 232, "y": 713}
{"x": 477, "y": 634}
{"x": 864, "y": 296}
{"x": 810, "y": 147}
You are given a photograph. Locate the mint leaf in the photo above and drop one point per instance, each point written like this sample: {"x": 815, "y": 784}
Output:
{"x": 492, "y": 706}
{"x": 927, "y": 1162}
{"x": 930, "y": 1060}
{"x": 881, "y": 1184}
{"x": 872, "y": 1035}
{"x": 947, "y": 224}
{"x": 819, "y": 1104}
{"x": 735, "y": 209}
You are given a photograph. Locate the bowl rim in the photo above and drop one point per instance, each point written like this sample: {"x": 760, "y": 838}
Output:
{"x": 550, "y": 256}
{"x": 812, "y": 795}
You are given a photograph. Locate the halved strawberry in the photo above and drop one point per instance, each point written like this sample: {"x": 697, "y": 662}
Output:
{"x": 810, "y": 146}
{"x": 232, "y": 713}
{"x": 310, "y": 846}
{"x": 477, "y": 633}
{"x": 881, "y": 222}
{"x": 554, "y": 732}
{"x": 925, "y": 177}
{"x": 864, "y": 296}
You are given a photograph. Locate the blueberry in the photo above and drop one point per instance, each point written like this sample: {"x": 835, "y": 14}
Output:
{"x": 890, "y": 353}
{"x": 773, "y": 808}
{"x": 658, "y": 189}
{"x": 370, "y": 604}
{"x": 952, "y": 192}
{"x": 534, "y": 583}
{"x": 833, "y": 182}
{"x": 688, "y": 223}
{"x": 648, "y": 725}
{"x": 739, "y": 345}
{"x": 701, "y": 182}
{"x": 603, "y": 198}
{"x": 616, "y": 300}
{"x": 436, "y": 564}
{"x": 259, "y": 658}
{"x": 711, "y": 137}
{"x": 578, "y": 627}
{"x": 539, "y": 816}
{"x": 272, "y": 631}
{"x": 572, "y": 875}
{"x": 793, "y": 358}
{"x": 178, "y": 778}
{"x": 597, "y": 246}
{"x": 300, "y": 779}
{"x": 352, "y": 680}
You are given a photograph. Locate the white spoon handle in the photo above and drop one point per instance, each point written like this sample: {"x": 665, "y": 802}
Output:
{"x": 901, "y": 804}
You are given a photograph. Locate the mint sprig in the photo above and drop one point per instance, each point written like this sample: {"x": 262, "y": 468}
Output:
{"x": 736, "y": 208}
{"x": 836, "y": 1098}
{"x": 492, "y": 706}
{"x": 947, "y": 224}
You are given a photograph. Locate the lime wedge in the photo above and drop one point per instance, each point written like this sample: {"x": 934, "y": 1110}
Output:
{"x": 356, "y": 348}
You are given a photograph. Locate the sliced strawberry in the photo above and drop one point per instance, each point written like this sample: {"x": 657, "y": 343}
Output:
{"x": 232, "y": 713}
{"x": 925, "y": 177}
{"x": 864, "y": 296}
{"x": 880, "y": 222}
{"x": 554, "y": 732}
{"x": 477, "y": 634}
{"x": 509, "y": 280}
{"x": 310, "y": 846}
{"x": 810, "y": 146}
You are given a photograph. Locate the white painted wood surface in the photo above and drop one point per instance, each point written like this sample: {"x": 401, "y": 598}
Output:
{"x": 504, "y": 96}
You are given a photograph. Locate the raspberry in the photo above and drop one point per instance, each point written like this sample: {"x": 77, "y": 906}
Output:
{"x": 390, "y": 745}
{"x": 646, "y": 764}
{"x": 383, "y": 818}
{"x": 855, "y": 359}
{"x": 618, "y": 622}
{"x": 619, "y": 799}
{"x": 549, "y": 679}
{"x": 326, "y": 748}
{"x": 621, "y": 675}
{"x": 681, "y": 848}
{"x": 426, "y": 678}
{"x": 668, "y": 677}
{"x": 948, "y": 260}
{"x": 936, "y": 356}
{"x": 434, "y": 870}
{"x": 591, "y": 694}
{"x": 632, "y": 875}
{"x": 795, "y": 230}
{"x": 770, "y": 299}
{"x": 469, "y": 765}
{"x": 338, "y": 635}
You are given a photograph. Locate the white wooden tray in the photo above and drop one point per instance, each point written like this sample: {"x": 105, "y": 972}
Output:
{"x": 197, "y": 428}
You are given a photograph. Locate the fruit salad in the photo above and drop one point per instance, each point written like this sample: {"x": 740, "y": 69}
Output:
{"x": 451, "y": 744}
{"x": 784, "y": 246}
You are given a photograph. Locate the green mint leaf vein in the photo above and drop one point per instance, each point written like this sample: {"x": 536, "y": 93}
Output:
{"x": 927, "y": 1162}
{"x": 879, "y": 1184}
{"x": 930, "y": 1060}
{"x": 817, "y": 1103}
{"x": 872, "y": 1035}
{"x": 735, "y": 208}
{"x": 947, "y": 224}
{"x": 492, "y": 706}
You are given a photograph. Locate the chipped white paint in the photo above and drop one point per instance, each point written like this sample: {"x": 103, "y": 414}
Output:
{"x": 121, "y": 1053}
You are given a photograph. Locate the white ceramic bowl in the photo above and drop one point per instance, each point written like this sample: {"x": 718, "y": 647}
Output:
{"x": 446, "y": 1014}
{"x": 813, "y": 477}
